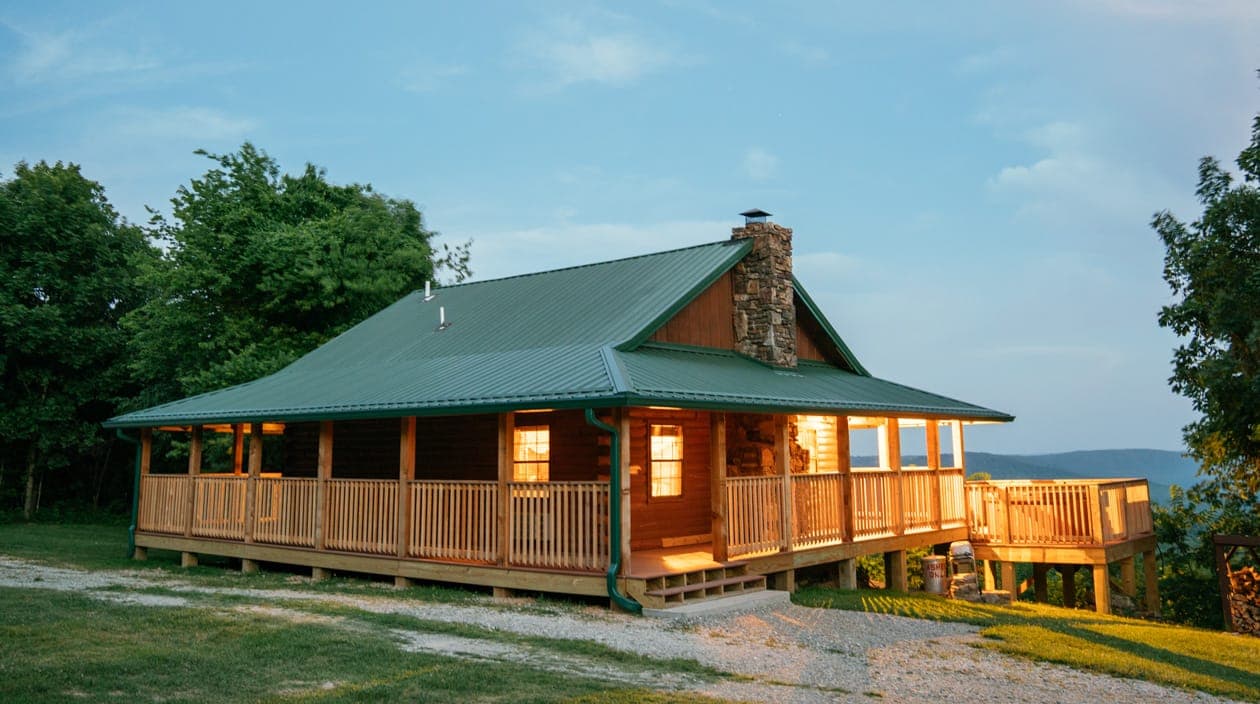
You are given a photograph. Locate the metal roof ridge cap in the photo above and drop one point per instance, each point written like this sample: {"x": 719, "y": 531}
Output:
{"x": 616, "y": 372}
{"x": 591, "y": 264}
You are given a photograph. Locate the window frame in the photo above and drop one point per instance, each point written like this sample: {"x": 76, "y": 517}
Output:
{"x": 517, "y": 446}
{"x": 652, "y": 461}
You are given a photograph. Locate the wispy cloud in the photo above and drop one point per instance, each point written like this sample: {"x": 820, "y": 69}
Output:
{"x": 759, "y": 164}
{"x": 180, "y": 123}
{"x": 807, "y": 54}
{"x": 71, "y": 55}
{"x": 1178, "y": 10}
{"x": 499, "y": 253}
{"x": 566, "y": 51}
{"x": 426, "y": 77}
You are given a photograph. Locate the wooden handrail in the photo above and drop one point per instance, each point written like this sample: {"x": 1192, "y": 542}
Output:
{"x": 1058, "y": 512}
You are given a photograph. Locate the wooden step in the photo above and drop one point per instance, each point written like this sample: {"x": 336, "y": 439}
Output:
{"x": 744, "y": 581}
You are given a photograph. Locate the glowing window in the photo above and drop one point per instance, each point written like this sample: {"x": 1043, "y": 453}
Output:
{"x": 531, "y": 460}
{"x": 817, "y": 436}
{"x": 667, "y": 454}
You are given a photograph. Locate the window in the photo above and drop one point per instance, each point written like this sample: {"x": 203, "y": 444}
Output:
{"x": 667, "y": 454}
{"x": 817, "y": 436}
{"x": 531, "y": 459}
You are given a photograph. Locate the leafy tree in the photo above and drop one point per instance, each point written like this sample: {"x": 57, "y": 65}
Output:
{"x": 68, "y": 267}
{"x": 1213, "y": 268}
{"x": 263, "y": 267}
{"x": 1184, "y": 527}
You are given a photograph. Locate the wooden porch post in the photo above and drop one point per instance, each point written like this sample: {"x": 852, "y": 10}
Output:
{"x": 1128, "y": 576}
{"x": 932, "y": 430}
{"x": 323, "y": 473}
{"x": 146, "y": 454}
{"x": 892, "y": 455}
{"x": 1008, "y": 580}
{"x": 844, "y": 464}
{"x": 1068, "y": 572}
{"x": 251, "y": 489}
{"x": 406, "y": 475}
{"x": 622, "y": 418}
{"x": 960, "y": 457}
{"x": 1151, "y": 574}
{"x": 255, "y": 467}
{"x": 1039, "y": 581}
{"x": 1102, "y": 589}
{"x": 146, "y": 450}
{"x": 238, "y": 447}
{"x": 717, "y": 483}
{"x": 189, "y": 559}
{"x": 502, "y": 524}
{"x": 783, "y": 460}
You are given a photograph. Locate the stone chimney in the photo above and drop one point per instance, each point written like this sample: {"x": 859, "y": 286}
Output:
{"x": 764, "y": 312}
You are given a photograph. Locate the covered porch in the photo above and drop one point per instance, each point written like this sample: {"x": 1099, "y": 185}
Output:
{"x": 522, "y": 500}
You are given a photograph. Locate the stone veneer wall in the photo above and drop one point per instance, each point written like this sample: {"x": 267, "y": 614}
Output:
{"x": 764, "y": 311}
{"x": 750, "y": 446}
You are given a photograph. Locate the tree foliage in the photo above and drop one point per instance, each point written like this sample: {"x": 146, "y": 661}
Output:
{"x": 1213, "y": 268}
{"x": 263, "y": 267}
{"x": 68, "y": 273}
{"x": 1188, "y": 586}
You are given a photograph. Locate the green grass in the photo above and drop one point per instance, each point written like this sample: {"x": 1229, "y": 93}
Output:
{"x": 1180, "y": 656}
{"x": 57, "y": 646}
{"x": 104, "y": 546}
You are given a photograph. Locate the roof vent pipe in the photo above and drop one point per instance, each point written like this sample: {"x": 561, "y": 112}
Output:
{"x": 428, "y": 295}
{"x": 442, "y": 324}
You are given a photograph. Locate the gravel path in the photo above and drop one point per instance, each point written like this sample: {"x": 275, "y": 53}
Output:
{"x": 791, "y": 653}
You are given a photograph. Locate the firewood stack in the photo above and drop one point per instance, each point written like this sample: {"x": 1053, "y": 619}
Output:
{"x": 1244, "y": 600}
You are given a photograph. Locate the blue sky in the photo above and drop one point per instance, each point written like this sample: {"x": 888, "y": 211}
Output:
{"x": 970, "y": 184}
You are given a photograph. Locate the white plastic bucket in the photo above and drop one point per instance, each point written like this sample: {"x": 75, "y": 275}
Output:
{"x": 934, "y": 574}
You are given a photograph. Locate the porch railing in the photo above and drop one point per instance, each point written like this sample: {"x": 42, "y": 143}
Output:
{"x": 754, "y": 522}
{"x": 164, "y": 503}
{"x": 454, "y": 520}
{"x": 1058, "y": 512}
{"x": 284, "y": 510}
{"x": 219, "y": 507}
{"x": 558, "y": 524}
{"x": 817, "y": 509}
{"x": 362, "y": 515}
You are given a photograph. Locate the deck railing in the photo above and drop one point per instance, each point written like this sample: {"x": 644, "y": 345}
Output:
{"x": 754, "y": 522}
{"x": 454, "y": 520}
{"x": 1058, "y": 512}
{"x": 817, "y": 509}
{"x": 362, "y": 515}
{"x": 880, "y": 503}
{"x": 558, "y": 524}
{"x": 876, "y": 503}
{"x": 219, "y": 506}
{"x": 284, "y": 511}
{"x": 164, "y": 503}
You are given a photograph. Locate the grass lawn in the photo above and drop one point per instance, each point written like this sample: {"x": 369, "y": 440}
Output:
{"x": 62, "y": 646}
{"x": 1190, "y": 658}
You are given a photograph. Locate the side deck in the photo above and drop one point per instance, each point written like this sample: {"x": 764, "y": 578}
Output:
{"x": 1066, "y": 524}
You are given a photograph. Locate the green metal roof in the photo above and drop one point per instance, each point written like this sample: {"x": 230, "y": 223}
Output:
{"x": 564, "y": 338}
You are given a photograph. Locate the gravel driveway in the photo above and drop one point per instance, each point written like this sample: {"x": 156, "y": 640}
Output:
{"x": 785, "y": 653}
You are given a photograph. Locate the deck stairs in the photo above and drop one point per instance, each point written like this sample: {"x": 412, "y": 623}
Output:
{"x": 666, "y": 590}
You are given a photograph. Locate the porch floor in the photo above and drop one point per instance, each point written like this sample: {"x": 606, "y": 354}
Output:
{"x": 674, "y": 560}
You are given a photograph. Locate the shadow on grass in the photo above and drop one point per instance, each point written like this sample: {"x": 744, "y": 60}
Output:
{"x": 1209, "y": 661}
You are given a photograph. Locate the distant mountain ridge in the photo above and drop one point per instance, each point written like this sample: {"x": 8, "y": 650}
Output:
{"x": 1162, "y": 468}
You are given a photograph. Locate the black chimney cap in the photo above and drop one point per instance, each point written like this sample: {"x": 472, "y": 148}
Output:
{"x": 755, "y": 215}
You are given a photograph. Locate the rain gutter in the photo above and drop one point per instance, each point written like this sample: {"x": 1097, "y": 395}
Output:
{"x": 614, "y": 513}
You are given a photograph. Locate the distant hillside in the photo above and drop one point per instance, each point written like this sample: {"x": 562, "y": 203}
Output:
{"x": 1161, "y": 468}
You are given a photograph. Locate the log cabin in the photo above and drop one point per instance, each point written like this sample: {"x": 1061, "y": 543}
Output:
{"x": 656, "y": 429}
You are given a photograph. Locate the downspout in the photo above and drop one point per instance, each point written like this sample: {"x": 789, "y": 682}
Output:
{"x": 135, "y": 494}
{"x": 614, "y": 515}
